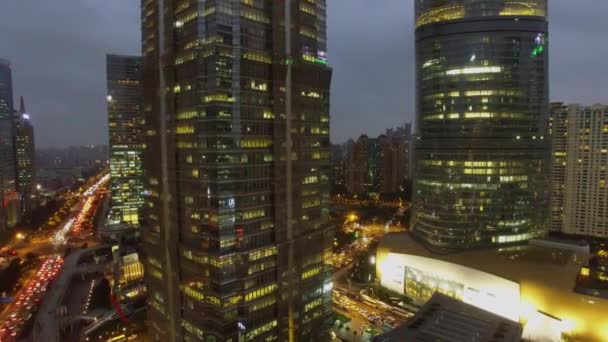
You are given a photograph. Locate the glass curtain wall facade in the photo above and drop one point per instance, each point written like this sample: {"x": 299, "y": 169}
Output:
{"x": 237, "y": 233}
{"x": 9, "y": 198}
{"x": 482, "y": 111}
{"x": 125, "y": 127}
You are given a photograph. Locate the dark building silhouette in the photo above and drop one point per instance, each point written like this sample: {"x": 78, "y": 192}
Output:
{"x": 9, "y": 198}
{"x": 25, "y": 154}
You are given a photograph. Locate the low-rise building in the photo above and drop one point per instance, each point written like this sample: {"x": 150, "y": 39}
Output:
{"x": 533, "y": 283}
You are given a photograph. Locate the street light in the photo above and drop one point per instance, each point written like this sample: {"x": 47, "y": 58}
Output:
{"x": 20, "y": 236}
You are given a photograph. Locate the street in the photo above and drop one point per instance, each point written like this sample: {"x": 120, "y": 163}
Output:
{"x": 73, "y": 231}
{"x": 367, "y": 317}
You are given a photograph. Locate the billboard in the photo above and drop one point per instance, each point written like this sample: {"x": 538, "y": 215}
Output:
{"x": 419, "y": 277}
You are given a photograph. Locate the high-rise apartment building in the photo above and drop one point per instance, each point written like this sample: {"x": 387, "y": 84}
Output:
{"x": 482, "y": 106}
{"x": 338, "y": 166}
{"x": 237, "y": 234}
{"x": 25, "y": 155}
{"x": 125, "y": 122}
{"x": 9, "y": 211}
{"x": 393, "y": 163}
{"x": 361, "y": 166}
{"x": 580, "y": 161}
{"x": 558, "y": 132}
{"x": 376, "y": 165}
{"x": 404, "y": 133}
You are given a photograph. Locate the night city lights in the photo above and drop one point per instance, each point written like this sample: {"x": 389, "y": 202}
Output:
{"x": 303, "y": 171}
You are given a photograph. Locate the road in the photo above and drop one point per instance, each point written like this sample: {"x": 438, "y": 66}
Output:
{"x": 26, "y": 301}
{"x": 368, "y": 316}
{"x": 71, "y": 233}
{"x": 47, "y": 325}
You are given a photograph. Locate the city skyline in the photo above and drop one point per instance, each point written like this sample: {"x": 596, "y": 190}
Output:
{"x": 462, "y": 195}
{"x": 59, "y": 98}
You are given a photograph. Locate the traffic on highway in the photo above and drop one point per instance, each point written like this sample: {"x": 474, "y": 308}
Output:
{"x": 46, "y": 254}
{"x": 26, "y": 301}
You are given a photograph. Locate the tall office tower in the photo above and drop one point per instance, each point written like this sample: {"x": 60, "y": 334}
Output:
{"x": 237, "y": 233}
{"x": 125, "y": 123}
{"x": 482, "y": 107}
{"x": 558, "y": 131}
{"x": 25, "y": 156}
{"x": 9, "y": 211}
{"x": 580, "y": 176}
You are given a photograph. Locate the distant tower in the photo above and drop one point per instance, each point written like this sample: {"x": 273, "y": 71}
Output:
{"x": 126, "y": 138}
{"x": 25, "y": 154}
{"x": 9, "y": 199}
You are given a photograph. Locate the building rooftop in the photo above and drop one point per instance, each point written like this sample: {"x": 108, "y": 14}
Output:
{"x": 444, "y": 318}
{"x": 515, "y": 263}
{"x": 546, "y": 274}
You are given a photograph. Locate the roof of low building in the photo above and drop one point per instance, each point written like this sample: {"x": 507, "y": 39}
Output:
{"x": 444, "y": 318}
{"x": 515, "y": 263}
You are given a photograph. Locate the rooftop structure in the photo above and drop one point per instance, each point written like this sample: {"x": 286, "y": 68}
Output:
{"x": 444, "y": 318}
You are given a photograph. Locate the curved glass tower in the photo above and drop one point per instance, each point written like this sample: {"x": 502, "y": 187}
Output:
{"x": 482, "y": 110}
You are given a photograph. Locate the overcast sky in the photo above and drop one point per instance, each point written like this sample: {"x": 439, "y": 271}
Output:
{"x": 58, "y": 49}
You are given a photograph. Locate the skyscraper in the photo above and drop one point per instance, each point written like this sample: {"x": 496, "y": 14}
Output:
{"x": 125, "y": 124}
{"x": 237, "y": 234}
{"x": 558, "y": 131}
{"x": 9, "y": 210}
{"x": 482, "y": 108}
{"x": 579, "y": 179}
{"x": 25, "y": 156}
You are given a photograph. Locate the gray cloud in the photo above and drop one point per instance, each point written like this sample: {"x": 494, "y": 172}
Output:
{"x": 58, "y": 48}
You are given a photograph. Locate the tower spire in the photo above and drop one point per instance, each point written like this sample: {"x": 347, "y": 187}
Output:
{"x": 22, "y": 105}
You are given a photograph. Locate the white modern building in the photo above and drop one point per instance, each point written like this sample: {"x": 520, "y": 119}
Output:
{"x": 533, "y": 284}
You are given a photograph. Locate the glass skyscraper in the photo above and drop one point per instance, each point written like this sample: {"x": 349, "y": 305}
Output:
{"x": 125, "y": 127}
{"x": 9, "y": 198}
{"x": 237, "y": 234}
{"x": 482, "y": 111}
